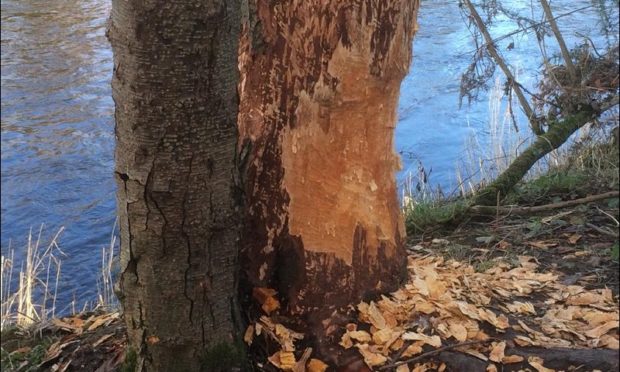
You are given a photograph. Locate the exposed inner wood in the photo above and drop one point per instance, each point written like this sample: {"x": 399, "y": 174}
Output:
{"x": 319, "y": 92}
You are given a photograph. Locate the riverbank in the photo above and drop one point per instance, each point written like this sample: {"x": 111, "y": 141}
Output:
{"x": 515, "y": 275}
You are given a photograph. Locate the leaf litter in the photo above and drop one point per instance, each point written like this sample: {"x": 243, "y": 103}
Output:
{"x": 446, "y": 303}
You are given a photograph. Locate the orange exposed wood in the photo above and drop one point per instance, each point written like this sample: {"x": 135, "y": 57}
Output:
{"x": 319, "y": 92}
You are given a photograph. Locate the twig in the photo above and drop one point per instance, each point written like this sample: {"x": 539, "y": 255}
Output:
{"x": 531, "y": 116}
{"x": 609, "y": 215}
{"x": 434, "y": 352}
{"x": 558, "y": 36}
{"x": 524, "y": 29}
{"x": 602, "y": 230}
{"x": 492, "y": 210}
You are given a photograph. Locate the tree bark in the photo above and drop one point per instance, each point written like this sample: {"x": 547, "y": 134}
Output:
{"x": 319, "y": 91}
{"x": 175, "y": 89}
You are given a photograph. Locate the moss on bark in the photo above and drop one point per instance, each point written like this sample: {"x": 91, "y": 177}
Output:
{"x": 557, "y": 134}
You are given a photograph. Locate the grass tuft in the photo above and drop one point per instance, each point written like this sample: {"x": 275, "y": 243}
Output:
{"x": 420, "y": 217}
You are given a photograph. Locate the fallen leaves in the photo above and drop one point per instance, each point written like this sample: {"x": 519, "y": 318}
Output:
{"x": 449, "y": 300}
{"x": 448, "y": 303}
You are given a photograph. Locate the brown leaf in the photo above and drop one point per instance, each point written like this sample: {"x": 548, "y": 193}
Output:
{"x": 510, "y": 359}
{"x": 434, "y": 341}
{"x": 300, "y": 365}
{"x": 375, "y": 316}
{"x": 602, "y": 329}
{"x": 497, "y": 352}
{"x": 102, "y": 339}
{"x": 542, "y": 244}
{"x": 21, "y": 350}
{"x": 271, "y": 304}
{"x": 99, "y": 321}
{"x": 537, "y": 363}
{"x": 66, "y": 326}
{"x": 573, "y": 239}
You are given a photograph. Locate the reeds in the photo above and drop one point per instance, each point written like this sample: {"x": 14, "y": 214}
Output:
{"x": 32, "y": 298}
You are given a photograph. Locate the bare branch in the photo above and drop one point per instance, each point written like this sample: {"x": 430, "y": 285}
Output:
{"x": 556, "y": 31}
{"x": 531, "y": 116}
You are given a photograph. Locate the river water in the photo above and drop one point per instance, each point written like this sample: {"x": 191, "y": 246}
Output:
{"x": 58, "y": 130}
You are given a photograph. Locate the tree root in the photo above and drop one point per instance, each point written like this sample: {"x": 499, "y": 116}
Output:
{"x": 492, "y": 210}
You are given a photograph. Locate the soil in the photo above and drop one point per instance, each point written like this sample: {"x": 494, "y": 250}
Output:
{"x": 577, "y": 242}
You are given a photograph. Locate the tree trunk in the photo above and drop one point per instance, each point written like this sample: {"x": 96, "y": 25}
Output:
{"x": 319, "y": 92}
{"x": 175, "y": 89}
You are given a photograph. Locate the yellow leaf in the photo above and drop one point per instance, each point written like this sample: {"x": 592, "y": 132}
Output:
{"x": 372, "y": 359}
{"x": 375, "y": 316}
{"x": 284, "y": 360}
{"x": 402, "y": 368}
{"x": 361, "y": 336}
{"x": 382, "y": 336}
{"x": 491, "y": 368}
{"x": 249, "y": 334}
{"x": 315, "y": 365}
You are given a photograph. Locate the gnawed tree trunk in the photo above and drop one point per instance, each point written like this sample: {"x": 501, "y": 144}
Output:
{"x": 319, "y": 91}
{"x": 175, "y": 89}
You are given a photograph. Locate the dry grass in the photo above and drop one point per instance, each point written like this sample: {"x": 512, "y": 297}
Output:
{"x": 507, "y": 137}
{"x": 34, "y": 297}
{"x": 31, "y": 298}
{"x": 106, "y": 299}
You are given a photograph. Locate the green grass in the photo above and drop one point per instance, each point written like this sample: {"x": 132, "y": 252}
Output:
{"x": 422, "y": 216}
{"x": 130, "y": 362}
{"x": 224, "y": 356}
{"x": 23, "y": 349}
{"x": 559, "y": 182}
{"x": 615, "y": 252}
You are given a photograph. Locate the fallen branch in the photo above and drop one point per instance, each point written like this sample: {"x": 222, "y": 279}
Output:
{"x": 492, "y": 210}
{"x": 555, "y": 359}
{"x": 434, "y": 352}
{"x": 602, "y": 230}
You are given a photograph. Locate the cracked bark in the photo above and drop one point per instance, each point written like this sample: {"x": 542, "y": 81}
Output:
{"x": 319, "y": 90}
{"x": 175, "y": 90}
